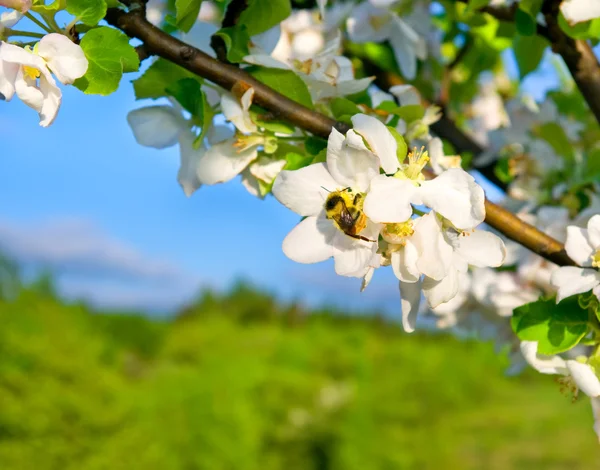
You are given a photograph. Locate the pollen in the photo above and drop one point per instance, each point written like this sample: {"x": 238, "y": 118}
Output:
{"x": 397, "y": 233}
{"x": 31, "y": 72}
{"x": 417, "y": 159}
{"x": 596, "y": 259}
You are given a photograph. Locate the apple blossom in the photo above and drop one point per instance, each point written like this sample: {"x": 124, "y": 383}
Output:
{"x": 583, "y": 246}
{"x": 27, "y": 72}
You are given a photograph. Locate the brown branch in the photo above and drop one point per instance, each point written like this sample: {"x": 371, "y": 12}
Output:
{"x": 158, "y": 42}
{"x": 577, "y": 53}
{"x": 232, "y": 15}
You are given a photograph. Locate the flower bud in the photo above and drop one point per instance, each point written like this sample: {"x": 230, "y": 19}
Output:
{"x": 21, "y": 5}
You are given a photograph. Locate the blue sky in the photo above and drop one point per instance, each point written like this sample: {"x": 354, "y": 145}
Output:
{"x": 108, "y": 217}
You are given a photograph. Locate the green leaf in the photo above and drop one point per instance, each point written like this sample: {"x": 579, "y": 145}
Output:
{"x": 477, "y": 4}
{"x": 402, "y": 147}
{"x": 40, "y": 7}
{"x": 584, "y": 30}
{"x": 526, "y": 24}
{"x": 236, "y": 41}
{"x": 109, "y": 54}
{"x": 89, "y": 12}
{"x": 314, "y": 145}
{"x": 285, "y": 82}
{"x": 343, "y": 107}
{"x": 295, "y": 161}
{"x": 532, "y": 7}
{"x": 502, "y": 170}
{"x": 189, "y": 95}
{"x": 555, "y": 135}
{"x": 262, "y": 118}
{"x": 261, "y": 15}
{"x": 556, "y": 327}
{"x": 186, "y": 13}
{"x": 159, "y": 76}
{"x": 529, "y": 51}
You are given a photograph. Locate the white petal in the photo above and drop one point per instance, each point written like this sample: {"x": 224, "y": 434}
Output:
{"x": 222, "y": 162}
{"x": 310, "y": 241}
{"x": 570, "y": 280}
{"x": 157, "y": 126}
{"x": 389, "y": 199}
{"x": 266, "y": 169}
{"x": 541, "y": 363}
{"x": 8, "y": 75}
{"x": 455, "y": 195}
{"x": 410, "y": 298}
{"x": 444, "y": 290}
{"x": 585, "y": 378}
{"x": 576, "y": 11}
{"x": 28, "y": 92}
{"x": 10, "y": 18}
{"x": 305, "y": 190}
{"x": 435, "y": 148}
{"x": 237, "y": 111}
{"x": 578, "y": 246}
{"x": 404, "y": 49}
{"x": 51, "y": 102}
{"x": 265, "y": 60}
{"x": 187, "y": 176}
{"x": 65, "y": 58}
{"x": 353, "y": 257}
{"x": 368, "y": 23}
{"x": 349, "y": 161}
{"x": 594, "y": 231}
{"x": 481, "y": 249}
{"x": 251, "y": 184}
{"x": 217, "y": 134}
{"x": 406, "y": 94}
{"x": 380, "y": 139}
{"x": 435, "y": 254}
{"x": 404, "y": 263}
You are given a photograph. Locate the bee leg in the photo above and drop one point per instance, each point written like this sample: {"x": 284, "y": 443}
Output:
{"x": 359, "y": 237}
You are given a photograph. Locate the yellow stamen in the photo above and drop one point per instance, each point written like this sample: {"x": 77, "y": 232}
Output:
{"x": 596, "y": 259}
{"x": 31, "y": 72}
{"x": 398, "y": 232}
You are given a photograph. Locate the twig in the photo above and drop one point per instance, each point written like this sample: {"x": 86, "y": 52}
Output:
{"x": 158, "y": 42}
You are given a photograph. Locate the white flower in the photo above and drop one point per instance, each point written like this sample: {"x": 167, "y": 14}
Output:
{"x": 583, "y": 247}
{"x": 350, "y": 167}
{"x": 576, "y": 11}
{"x": 22, "y": 6}
{"x": 579, "y": 374}
{"x": 326, "y": 74}
{"x": 164, "y": 126}
{"x": 440, "y": 161}
{"x": 369, "y": 23}
{"x": 27, "y": 73}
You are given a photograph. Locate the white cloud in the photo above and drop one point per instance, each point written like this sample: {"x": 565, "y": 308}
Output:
{"x": 90, "y": 264}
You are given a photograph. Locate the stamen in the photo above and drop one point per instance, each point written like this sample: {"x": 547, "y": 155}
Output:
{"x": 596, "y": 259}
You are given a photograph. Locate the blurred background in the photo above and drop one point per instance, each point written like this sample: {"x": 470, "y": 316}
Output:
{"x": 140, "y": 329}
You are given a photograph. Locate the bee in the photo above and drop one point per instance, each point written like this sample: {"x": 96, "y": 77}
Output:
{"x": 345, "y": 209}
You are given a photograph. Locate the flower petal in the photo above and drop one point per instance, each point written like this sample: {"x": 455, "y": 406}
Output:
{"x": 403, "y": 41}
{"x": 369, "y": 24}
{"x": 236, "y": 110}
{"x": 435, "y": 254}
{"x": 187, "y": 176}
{"x": 406, "y": 94}
{"x": 380, "y": 139}
{"x": 577, "y": 11}
{"x": 156, "y": 126}
{"x": 51, "y": 102}
{"x": 65, "y": 58}
{"x": 349, "y": 161}
{"x": 310, "y": 241}
{"x": 578, "y": 246}
{"x": 222, "y": 162}
{"x": 410, "y": 299}
{"x": 442, "y": 291}
{"x": 585, "y": 378}
{"x": 8, "y": 75}
{"x": 570, "y": 280}
{"x": 594, "y": 231}
{"x": 305, "y": 190}
{"x": 404, "y": 263}
{"x": 543, "y": 364}
{"x": 455, "y": 195}
{"x": 353, "y": 257}
{"x": 389, "y": 199}
{"x": 481, "y": 249}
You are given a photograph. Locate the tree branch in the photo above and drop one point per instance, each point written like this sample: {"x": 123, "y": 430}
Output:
{"x": 160, "y": 43}
{"x": 577, "y": 53}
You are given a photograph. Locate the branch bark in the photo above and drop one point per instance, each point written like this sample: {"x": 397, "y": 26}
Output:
{"x": 162, "y": 44}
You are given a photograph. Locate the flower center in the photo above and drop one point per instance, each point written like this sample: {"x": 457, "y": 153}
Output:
{"x": 413, "y": 170}
{"x": 596, "y": 259}
{"x": 397, "y": 234}
{"x": 31, "y": 72}
{"x": 378, "y": 21}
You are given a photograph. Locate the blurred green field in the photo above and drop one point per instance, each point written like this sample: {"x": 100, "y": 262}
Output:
{"x": 238, "y": 382}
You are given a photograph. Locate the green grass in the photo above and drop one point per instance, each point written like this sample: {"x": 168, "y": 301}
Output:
{"x": 238, "y": 382}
